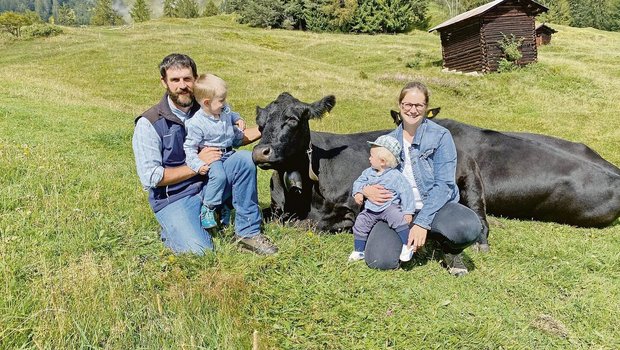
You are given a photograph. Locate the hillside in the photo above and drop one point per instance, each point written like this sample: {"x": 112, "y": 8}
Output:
{"x": 80, "y": 261}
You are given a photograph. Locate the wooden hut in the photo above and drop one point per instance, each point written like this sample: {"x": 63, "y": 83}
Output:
{"x": 543, "y": 34}
{"x": 470, "y": 41}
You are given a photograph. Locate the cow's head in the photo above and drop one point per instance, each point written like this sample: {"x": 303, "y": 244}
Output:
{"x": 431, "y": 113}
{"x": 285, "y": 130}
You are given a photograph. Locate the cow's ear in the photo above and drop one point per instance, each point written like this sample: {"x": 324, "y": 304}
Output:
{"x": 396, "y": 117}
{"x": 260, "y": 116}
{"x": 322, "y": 106}
{"x": 432, "y": 113}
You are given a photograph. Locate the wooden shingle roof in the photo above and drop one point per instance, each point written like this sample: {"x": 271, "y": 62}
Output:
{"x": 536, "y": 9}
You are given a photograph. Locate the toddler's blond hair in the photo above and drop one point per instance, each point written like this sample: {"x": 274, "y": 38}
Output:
{"x": 209, "y": 86}
{"x": 387, "y": 156}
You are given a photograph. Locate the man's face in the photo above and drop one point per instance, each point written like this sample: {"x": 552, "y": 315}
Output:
{"x": 180, "y": 84}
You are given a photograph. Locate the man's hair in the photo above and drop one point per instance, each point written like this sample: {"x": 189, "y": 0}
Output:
{"x": 386, "y": 155}
{"x": 208, "y": 86}
{"x": 177, "y": 60}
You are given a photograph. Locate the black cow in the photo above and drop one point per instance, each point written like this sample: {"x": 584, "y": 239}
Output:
{"x": 516, "y": 175}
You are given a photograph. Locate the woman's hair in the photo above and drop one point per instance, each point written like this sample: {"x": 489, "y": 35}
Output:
{"x": 208, "y": 86}
{"x": 386, "y": 155}
{"x": 414, "y": 85}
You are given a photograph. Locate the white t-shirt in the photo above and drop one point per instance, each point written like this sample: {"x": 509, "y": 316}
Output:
{"x": 408, "y": 172}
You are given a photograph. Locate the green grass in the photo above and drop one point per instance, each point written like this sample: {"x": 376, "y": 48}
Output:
{"x": 81, "y": 265}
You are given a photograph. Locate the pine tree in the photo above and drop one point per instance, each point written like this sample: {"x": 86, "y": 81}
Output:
{"x": 55, "y": 7}
{"x": 560, "y": 12}
{"x": 43, "y": 8}
{"x": 210, "y": 9}
{"x": 105, "y": 15}
{"x": 390, "y": 16}
{"x": 187, "y": 9}
{"x": 66, "y": 16}
{"x": 140, "y": 11}
{"x": 170, "y": 8}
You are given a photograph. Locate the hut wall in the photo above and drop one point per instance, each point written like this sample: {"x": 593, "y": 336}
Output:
{"x": 461, "y": 48}
{"x": 543, "y": 38}
{"x": 507, "y": 18}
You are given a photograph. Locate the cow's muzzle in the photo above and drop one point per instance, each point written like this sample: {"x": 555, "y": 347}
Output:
{"x": 262, "y": 155}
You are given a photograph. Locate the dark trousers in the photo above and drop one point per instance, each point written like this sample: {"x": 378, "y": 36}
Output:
{"x": 455, "y": 227}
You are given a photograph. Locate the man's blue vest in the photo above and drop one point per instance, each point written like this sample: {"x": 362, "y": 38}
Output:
{"x": 171, "y": 131}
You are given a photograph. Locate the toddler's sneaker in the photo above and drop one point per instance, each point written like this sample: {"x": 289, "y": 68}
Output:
{"x": 356, "y": 256}
{"x": 207, "y": 217}
{"x": 406, "y": 254}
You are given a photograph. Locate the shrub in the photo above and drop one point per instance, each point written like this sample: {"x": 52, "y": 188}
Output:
{"x": 39, "y": 30}
{"x": 511, "y": 47}
{"x": 13, "y": 22}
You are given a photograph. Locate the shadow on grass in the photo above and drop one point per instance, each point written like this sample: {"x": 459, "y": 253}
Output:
{"x": 431, "y": 252}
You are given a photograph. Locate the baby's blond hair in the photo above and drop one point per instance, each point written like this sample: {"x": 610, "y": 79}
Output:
{"x": 387, "y": 156}
{"x": 209, "y": 86}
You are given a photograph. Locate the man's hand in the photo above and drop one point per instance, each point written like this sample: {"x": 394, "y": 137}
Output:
{"x": 250, "y": 135}
{"x": 210, "y": 155}
{"x": 417, "y": 237}
{"x": 359, "y": 198}
{"x": 203, "y": 170}
{"x": 377, "y": 194}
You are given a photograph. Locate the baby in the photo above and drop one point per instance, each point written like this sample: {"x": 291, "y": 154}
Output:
{"x": 398, "y": 212}
{"x": 214, "y": 125}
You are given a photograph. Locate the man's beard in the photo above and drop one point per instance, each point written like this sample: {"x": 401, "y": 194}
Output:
{"x": 181, "y": 100}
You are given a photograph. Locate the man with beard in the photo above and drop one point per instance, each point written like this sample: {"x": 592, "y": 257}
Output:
{"x": 174, "y": 188}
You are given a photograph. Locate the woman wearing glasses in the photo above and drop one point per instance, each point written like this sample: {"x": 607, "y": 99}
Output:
{"x": 428, "y": 161}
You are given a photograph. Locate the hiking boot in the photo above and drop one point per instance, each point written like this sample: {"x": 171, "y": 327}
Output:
{"x": 454, "y": 264}
{"x": 258, "y": 244}
{"x": 207, "y": 217}
{"x": 356, "y": 256}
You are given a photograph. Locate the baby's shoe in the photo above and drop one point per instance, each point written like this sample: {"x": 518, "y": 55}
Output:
{"x": 207, "y": 217}
{"x": 355, "y": 256}
{"x": 406, "y": 253}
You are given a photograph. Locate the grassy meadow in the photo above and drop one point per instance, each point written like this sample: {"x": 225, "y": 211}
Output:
{"x": 81, "y": 265}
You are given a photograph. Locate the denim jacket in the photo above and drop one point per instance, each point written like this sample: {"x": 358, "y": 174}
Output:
{"x": 433, "y": 161}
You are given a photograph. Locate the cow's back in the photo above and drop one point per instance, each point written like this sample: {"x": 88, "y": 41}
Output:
{"x": 534, "y": 176}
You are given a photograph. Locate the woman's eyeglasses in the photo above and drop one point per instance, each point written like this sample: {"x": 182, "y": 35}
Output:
{"x": 407, "y": 106}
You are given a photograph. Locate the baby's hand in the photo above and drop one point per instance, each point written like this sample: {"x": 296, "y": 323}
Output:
{"x": 240, "y": 124}
{"x": 203, "y": 170}
{"x": 408, "y": 218}
{"x": 359, "y": 198}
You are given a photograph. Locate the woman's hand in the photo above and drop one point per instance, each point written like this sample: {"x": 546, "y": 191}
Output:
{"x": 417, "y": 237}
{"x": 210, "y": 155}
{"x": 377, "y": 194}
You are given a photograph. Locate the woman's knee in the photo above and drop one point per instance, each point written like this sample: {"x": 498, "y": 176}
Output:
{"x": 458, "y": 224}
{"x": 383, "y": 248}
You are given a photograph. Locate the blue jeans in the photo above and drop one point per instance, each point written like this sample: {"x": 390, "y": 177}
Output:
{"x": 455, "y": 227}
{"x": 180, "y": 220}
{"x": 213, "y": 192}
